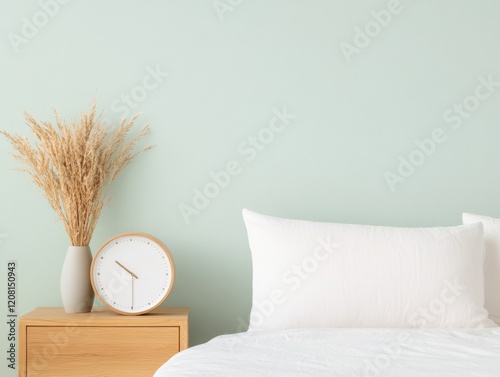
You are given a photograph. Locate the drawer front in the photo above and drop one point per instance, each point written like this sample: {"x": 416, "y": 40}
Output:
{"x": 98, "y": 351}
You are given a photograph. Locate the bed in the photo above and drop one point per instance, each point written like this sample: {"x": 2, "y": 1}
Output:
{"x": 343, "y": 352}
{"x": 358, "y": 300}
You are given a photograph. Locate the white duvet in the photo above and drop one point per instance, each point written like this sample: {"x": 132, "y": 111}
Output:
{"x": 343, "y": 352}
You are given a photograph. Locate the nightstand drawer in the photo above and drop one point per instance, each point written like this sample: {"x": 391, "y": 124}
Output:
{"x": 99, "y": 351}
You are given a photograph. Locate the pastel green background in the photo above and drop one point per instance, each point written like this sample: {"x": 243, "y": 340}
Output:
{"x": 229, "y": 67}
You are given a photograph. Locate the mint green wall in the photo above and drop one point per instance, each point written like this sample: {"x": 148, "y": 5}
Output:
{"x": 208, "y": 76}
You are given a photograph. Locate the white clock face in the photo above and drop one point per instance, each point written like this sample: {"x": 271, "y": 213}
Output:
{"x": 132, "y": 273}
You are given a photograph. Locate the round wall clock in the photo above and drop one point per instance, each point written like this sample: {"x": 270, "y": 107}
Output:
{"x": 132, "y": 273}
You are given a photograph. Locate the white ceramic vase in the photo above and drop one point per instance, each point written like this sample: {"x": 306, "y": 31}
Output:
{"x": 76, "y": 289}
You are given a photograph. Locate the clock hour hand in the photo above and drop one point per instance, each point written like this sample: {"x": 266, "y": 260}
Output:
{"x": 126, "y": 269}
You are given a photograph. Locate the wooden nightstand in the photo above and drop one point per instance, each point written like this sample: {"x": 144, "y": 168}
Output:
{"x": 53, "y": 343}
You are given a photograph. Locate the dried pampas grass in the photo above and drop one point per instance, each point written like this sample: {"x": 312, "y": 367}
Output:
{"x": 75, "y": 164}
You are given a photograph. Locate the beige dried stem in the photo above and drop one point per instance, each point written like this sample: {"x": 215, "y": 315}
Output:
{"x": 74, "y": 165}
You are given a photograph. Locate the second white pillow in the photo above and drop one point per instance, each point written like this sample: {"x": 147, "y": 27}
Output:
{"x": 491, "y": 262}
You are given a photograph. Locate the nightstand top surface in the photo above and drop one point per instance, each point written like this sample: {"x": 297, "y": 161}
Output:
{"x": 101, "y": 316}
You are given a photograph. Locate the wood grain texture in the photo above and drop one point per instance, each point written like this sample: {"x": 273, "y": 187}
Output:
{"x": 100, "y": 343}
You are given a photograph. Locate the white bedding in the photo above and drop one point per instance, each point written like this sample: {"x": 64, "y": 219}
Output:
{"x": 343, "y": 353}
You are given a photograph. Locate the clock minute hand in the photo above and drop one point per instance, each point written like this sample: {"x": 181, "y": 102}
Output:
{"x": 126, "y": 269}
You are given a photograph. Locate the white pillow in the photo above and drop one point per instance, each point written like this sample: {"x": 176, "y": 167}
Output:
{"x": 491, "y": 262}
{"x": 313, "y": 274}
